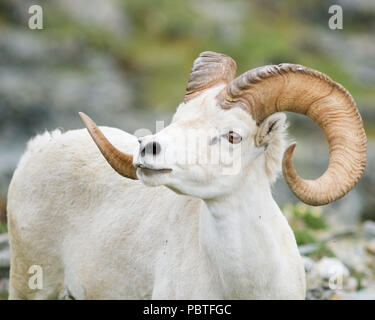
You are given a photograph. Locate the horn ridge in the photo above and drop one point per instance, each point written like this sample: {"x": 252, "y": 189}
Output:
{"x": 208, "y": 70}
{"x": 289, "y": 87}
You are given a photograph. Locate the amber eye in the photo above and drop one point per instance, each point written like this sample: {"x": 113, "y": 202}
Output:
{"x": 234, "y": 137}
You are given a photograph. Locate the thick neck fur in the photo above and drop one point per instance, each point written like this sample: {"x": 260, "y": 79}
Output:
{"x": 238, "y": 234}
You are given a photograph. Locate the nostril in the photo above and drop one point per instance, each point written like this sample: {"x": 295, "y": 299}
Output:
{"x": 151, "y": 148}
{"x": 155, "y": 148}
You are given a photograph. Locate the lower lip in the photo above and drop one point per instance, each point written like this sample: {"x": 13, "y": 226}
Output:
{"x": 148, "y": 171}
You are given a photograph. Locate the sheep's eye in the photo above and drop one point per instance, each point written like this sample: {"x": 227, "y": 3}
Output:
{"x": 234, "y": 137}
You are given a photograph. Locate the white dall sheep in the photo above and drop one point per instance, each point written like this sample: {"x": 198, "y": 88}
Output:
{"x": 209, "y": 227}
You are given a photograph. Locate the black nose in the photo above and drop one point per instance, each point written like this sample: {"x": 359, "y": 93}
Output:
{"x": 151, "y": 148}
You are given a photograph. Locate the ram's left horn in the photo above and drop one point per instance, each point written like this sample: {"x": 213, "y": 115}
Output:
{"x": 121, "y": 162}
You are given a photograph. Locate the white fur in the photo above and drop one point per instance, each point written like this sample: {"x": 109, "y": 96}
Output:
{"x": 218, "y": 235}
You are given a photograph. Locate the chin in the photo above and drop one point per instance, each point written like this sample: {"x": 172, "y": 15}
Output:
{"x": 193, "y": 190}
{"x": 152, "y": 179}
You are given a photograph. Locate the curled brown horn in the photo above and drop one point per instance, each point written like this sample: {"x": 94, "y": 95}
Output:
{"x": 121, "y": 162}
{"x": 209, "y": 69}
{"x": 288, "y": 87}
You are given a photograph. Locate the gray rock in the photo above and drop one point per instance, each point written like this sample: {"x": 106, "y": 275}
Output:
{"x": 307, "y": 248}
{"x": 359, "y": 6}
{"x": 228, "y": 16}
{"x": 5, "y": 258}
{"x": 329, "y": 268}
{"x": 3, "y": 217}
{"x": 4, "y": 286}
{"x": 319, "y": 293}
{"x": 308, "y": 264}
{"x": 370, "y": 246}
{"x": 4, "y": 241}
{"x": 4, "y": 251}
{"x": 108, "y": 15}
{"x": 351, "y": 284}
{"x": 44, "y": 82}
{"x": 363, "y": 294}
{"x": 352, "y": 253}
{"x": 369, "y": 229}
{"x": 354, "y": 51}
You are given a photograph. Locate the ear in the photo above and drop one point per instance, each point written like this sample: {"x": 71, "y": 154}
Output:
{"x": 271, "y": 135}
{"x": 271, "y": 127}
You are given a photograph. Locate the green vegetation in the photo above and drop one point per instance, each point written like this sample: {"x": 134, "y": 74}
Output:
{"x": 303, "y": 217}
{"x": 307, "y": 224}
{"x": 165, "y": 36}
{"x": 3, "y": 228}
{"x": 4, "y": 296}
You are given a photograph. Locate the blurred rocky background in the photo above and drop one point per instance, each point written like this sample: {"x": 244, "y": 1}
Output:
{"x": 126, "y": 64}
